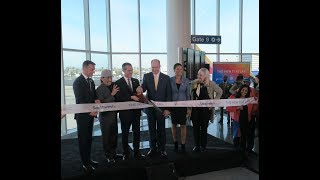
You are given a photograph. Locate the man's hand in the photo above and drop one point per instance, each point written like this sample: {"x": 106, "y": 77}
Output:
{"x": 97, "y": 101}
{"x": 166, "y": 113}
{"x": 135, "y": 98}
{"x": 139, "y": 90}
{"x": 188, "y": 112}
{"x": 240, "y": 107}
{"x": 94, "y": 114}
{"x": 115, "y": 89}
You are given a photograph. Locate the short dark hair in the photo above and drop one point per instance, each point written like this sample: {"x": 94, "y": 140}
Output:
{"x": 86, "y": 63}
{"x": 176, "y": 65}
{"x": 239, "y": 77}
{"x": 125, "y": 64}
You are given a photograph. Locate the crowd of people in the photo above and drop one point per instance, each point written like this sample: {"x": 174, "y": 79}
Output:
{"x": 159, "y": 87}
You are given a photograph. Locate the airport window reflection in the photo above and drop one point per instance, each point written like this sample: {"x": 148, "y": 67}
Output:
{"x": 206, "y": 20}
{"x": 98, "y": 27}
{"x": 124, "y": 25}
{"x": 119, "y": 59}
{"x": 229, "y": 26}
{"x": 250, "y": 40}
{"x": 153, "y": 23}
{"x": 72, "y": 22}
{"x": 72, "y": 69}
{"x": 146, "y": 63}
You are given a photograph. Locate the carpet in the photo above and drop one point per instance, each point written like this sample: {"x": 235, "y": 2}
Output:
{"x": 71, "y": 164}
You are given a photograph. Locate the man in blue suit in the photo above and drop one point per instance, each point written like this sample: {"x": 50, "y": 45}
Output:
{"x": 158, "y": 88}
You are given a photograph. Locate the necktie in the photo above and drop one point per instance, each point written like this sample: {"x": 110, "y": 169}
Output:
{"x": 129, "y": 84}
{"x": 156, "y": 82}
{"x": 89, "y": 82}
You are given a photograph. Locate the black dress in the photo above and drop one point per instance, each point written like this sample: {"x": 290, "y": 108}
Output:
{"x": 178, "y": 114}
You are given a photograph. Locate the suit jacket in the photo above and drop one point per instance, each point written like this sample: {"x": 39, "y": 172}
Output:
{"x": 104, "y": 95}
{"x": 163, "y": 92}
{"x": 183, "y": 93}
{"x": 83, "y": 93}
{"x": 125, "y": 93}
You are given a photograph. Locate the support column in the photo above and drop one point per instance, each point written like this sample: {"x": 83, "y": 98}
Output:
{"x": 178, "y": 30}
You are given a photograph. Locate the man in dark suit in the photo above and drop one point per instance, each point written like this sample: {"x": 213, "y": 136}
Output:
{"x": 84, "y": 91}
{"x": 158, "y": 88}
{"x": 127, "y": 90}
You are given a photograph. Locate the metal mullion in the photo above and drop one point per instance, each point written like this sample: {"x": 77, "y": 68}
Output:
{"x": 87, "y": 29}
{"x": 109, "y": 47}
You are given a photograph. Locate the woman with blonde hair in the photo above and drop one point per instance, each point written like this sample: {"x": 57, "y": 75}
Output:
{"x": 202, "y": 88}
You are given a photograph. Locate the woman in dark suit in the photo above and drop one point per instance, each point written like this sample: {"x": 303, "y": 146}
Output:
{"x": 180, "y": 92}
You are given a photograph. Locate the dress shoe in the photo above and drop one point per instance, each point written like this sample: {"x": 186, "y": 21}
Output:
{"x": 183, "y": 148}
{"x": 118, "y": 156}
{"x": 126, "y": 157}
{"x": 163, "y": 154}
{"x": 203, "y": 149}
{"x": 94, "y": 163}
{"x": 151, "y": 153}
{"x": 176, "y": 146}
{"x": 196, "y": 149}
{"x": 88, "y": 168}
{"x": 139, "y": 156}
{"x": 110, "y": 160}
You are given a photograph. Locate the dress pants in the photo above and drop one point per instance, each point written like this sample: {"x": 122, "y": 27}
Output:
{"x": 200, "y": 119}
{"x": 156, "y": 124}
{"x": 128, "y": 118}
{"x": 84, "y": 127}
{"x": 109, "y": 132}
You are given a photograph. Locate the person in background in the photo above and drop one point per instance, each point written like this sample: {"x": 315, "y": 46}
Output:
{"x": 84, "y": 92}
{"x": 108, "y": 119}
{"x": 236, "y": 85}
{"x": 202, "y": 88}
{"x": 252, "y": 122}
{"x": 158, "y": 88}
{"x": 242, "y": 118}
{"x": 225, "y": 86}
{"x": 180, "y": 87}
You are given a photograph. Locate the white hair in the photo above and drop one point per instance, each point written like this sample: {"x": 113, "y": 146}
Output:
{"x": 207, "y": 75}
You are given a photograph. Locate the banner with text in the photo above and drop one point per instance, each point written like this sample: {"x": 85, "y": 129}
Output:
{"x": 231, "y": 69}
{"x": 116, "y": 106}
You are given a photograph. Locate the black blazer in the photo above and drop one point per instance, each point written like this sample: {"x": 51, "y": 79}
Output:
{"x": 125, "y": 93}
{"x": 163, "y": 92}
{"x": 83, "y": 94}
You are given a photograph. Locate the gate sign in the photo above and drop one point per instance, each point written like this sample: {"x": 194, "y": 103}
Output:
{"x": 204, "y": 39}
